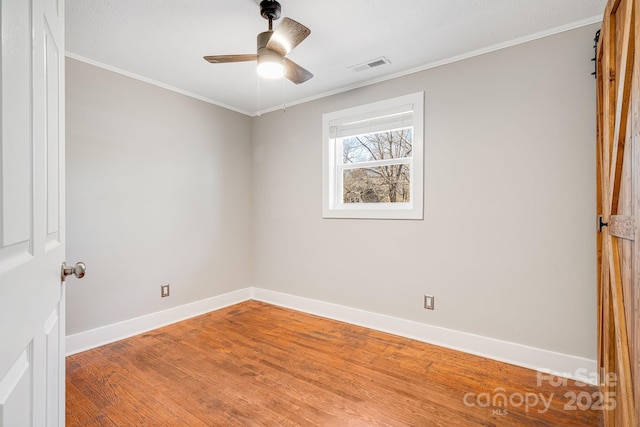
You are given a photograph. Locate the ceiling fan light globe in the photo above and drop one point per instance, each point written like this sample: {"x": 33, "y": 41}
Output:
{"x": 271, "y": 70}
{"x": 270, "y": 64}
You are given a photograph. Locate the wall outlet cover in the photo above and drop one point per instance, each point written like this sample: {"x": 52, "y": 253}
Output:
{"x": 429, "y": 302}
{"x": 164, "y": 291}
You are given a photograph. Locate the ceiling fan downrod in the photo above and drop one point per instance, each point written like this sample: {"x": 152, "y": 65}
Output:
{"x": 270, "y": 10}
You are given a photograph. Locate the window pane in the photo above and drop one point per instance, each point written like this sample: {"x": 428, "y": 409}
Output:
{"x": 382, "y": 184}
{"x": 393, "y": 144}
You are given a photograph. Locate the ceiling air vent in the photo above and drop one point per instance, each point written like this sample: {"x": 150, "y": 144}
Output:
{"x": 370, "y": 64}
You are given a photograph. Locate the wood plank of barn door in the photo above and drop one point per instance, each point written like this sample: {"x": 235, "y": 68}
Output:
{"x": 635, "y": 174}
{"x": 606, "y": 59}
{"x": 599, "y": 198}
{"x": 605, "y": 357}
{"x": 623, "y": 74}
{"x": 626, "y": 404}
{"x": 621, "y": 226}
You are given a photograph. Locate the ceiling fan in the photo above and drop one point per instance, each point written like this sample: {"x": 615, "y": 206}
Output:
{"x": 273, "y": 46}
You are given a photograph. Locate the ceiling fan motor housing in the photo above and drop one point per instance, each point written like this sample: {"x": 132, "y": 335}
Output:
{"x": 270, "y": 10}
{"x": 263, "y": 39}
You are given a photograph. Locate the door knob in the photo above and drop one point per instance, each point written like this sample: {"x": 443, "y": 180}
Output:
{"x": 77, "y": 270}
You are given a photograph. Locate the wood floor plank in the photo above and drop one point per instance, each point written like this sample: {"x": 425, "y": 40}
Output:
{"x": 258, "y": 364}
{"x": 85, "y": 412}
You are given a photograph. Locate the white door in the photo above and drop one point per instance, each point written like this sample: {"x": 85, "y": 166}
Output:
{"x": 31, "y": 213}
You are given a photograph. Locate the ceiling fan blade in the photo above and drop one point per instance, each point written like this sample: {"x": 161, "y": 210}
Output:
{"x": 219, "y": 59}
{"x": 288, "y": 35}
{"x": 295, "y": 73}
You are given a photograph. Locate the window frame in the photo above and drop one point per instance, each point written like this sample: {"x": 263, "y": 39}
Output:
{"x": 332, "y": 191}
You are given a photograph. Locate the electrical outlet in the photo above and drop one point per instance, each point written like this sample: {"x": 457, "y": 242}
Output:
{"x": 164, "y": 291}
{"x": 429, "y": 302}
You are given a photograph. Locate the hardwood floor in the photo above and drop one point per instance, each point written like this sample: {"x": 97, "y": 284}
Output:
{"x": 258, "y": 364}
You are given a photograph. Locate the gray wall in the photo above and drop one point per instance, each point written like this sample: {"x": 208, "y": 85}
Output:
{"x": 158, "y": 191}
{"x": 507, "y": 243}
{"x": 166, "y": 189}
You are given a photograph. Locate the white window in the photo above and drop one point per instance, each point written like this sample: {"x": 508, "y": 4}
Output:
{"x": 373, "y": 160}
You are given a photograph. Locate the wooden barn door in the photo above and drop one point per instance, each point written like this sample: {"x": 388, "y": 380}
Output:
{"x": 618, "y": 204}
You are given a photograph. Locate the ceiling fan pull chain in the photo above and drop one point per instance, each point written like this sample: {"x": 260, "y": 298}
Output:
{"x": 259, "y": 97}
{"x": 284, "y": 97}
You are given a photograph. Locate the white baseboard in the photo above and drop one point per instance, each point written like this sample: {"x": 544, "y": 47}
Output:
{"x": 544, "y": 361}
{"x": 110, "y": 333}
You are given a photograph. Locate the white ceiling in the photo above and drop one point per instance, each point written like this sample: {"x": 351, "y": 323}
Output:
{"x": 163, "y": 41}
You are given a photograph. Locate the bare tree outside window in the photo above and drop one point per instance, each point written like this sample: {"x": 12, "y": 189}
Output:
{"x": 371, "y": 183}
{"x": 373, "y": 160}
